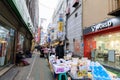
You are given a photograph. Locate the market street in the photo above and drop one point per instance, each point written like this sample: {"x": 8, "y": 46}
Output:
{"x": 59, "y": 39}
{"x": 37, "y": 70}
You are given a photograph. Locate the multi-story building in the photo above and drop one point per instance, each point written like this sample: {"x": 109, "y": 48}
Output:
{"x": 101, "y": 30}
{"x": 50, "y": 34}
{"x": 59, "y": 19}
{"x": 72, "y": 16}
{"x": 16, "y": 30}
{"x": 74, "y": 26}
{"x": 33, "y": 8}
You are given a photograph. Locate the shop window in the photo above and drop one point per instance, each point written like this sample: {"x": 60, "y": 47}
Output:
{"x": 75, "y": 3}
{"x": 4, "y": 41}
{"x": 76, "y": 14}
{"x": 73, "y": 40}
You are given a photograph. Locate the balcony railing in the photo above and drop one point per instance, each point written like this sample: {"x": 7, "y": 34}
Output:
{"x": 114, "y": 7}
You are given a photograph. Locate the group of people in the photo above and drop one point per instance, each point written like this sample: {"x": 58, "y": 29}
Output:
{"x": 53, "y": 50}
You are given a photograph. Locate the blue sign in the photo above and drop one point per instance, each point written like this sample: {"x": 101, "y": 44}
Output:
{"x": 60, "y": 19}
{"x": 49, "y": 40}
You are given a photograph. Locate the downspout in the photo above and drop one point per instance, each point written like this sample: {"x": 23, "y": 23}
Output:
{"x": 66, "y": 26}
{"x": 82, "y": 46}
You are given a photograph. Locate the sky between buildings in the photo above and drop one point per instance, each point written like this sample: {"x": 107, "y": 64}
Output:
{"x": 46, "y": 9}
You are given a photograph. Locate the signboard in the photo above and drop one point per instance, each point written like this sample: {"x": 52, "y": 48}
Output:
{"x": 111, "y": 55}
{"x": 101, "y": 26}
{"x": 60, "y": 26}
{"x": 61, "y": 17}
{"x": 113, "y": 22}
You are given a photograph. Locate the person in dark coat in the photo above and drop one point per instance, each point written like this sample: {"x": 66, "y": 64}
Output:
{"x": 28, "y": 53}
{"x": 60, "y": 50}
{"x": 20, "y": 59}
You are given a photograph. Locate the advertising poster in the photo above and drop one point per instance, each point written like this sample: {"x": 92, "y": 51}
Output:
{"x": 77, "y": 46}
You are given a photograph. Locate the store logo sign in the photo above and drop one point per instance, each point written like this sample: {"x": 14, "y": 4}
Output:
{"x": 101, "y": 26}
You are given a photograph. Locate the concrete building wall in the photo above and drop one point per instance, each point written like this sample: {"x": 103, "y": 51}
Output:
{"x": 74, "y": 27}
{"x": 95, "y": 11}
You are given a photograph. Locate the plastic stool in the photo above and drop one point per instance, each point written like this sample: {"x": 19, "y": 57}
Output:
{"x": 60, "y": 76}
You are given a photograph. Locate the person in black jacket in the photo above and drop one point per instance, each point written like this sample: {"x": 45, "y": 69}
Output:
{"x": 60, "y": 50}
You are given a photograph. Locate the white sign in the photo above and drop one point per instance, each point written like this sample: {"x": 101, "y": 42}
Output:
{"x": 111, "y": 55}
{"x": 101, "y": 26}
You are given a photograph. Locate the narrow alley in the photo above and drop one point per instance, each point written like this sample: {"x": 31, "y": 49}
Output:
{"x": 59, "y": 39}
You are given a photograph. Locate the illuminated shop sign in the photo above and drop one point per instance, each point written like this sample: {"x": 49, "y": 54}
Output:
{"x": 101, "y": 26}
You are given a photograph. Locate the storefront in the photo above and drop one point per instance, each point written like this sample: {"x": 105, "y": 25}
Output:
{"x": 102, "y": 41}
{"x": 6, "y": 45}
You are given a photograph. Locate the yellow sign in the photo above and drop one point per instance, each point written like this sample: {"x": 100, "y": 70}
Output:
{"x": 60, "y": 26}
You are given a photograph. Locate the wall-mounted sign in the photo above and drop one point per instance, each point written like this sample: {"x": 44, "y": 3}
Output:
{"x": 61, "y": 17}
{"x": 101, "y": 26}
{"x": 60, "y": 26}
{"x": 113, "y": 22}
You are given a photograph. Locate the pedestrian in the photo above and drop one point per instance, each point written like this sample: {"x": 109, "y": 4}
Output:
{"x": 60, "y": 50}
{"x": 46, "y": 50}
{"x": 42, "y": 51}
{"x": 52, "y": 50}
{"x": 20, "y": 59}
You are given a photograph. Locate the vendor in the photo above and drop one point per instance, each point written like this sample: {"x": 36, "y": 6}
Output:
{"x": 60, "y": 50}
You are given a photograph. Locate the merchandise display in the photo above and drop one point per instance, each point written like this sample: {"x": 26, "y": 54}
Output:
{"x": 79, "y": 69}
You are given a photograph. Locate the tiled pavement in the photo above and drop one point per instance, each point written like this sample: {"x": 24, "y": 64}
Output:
{"x": 10, "y": 74}
{"x": 37, "y": 70}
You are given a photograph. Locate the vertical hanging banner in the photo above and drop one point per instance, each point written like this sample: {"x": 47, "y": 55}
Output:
{"x": 60, "y": 26}
{"x": 38, "y": 36}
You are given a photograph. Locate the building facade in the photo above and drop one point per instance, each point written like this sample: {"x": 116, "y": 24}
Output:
{"x": 74, "y": 26}
{"x": 101, "y": 30}
{"x": 58, "y": 21}
{"x": 33, "y": 8}
{"x": 16, "y": 30}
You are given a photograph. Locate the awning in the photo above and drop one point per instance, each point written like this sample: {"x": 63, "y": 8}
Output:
{"x": 13, "y": 6}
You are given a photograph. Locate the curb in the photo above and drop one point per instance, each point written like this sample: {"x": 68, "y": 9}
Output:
{"x": 5, "y": 70}
{"x": 7, "y": 75}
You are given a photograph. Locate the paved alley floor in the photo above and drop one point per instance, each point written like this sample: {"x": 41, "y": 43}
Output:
{"x": 37, "y": 70}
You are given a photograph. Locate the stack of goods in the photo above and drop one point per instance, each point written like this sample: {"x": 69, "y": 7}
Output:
{"x": 79, "y": 69}
{"x": 82, "y": 69}
{"x": 99, "y": 72}
{"x": 61, "y": 66}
